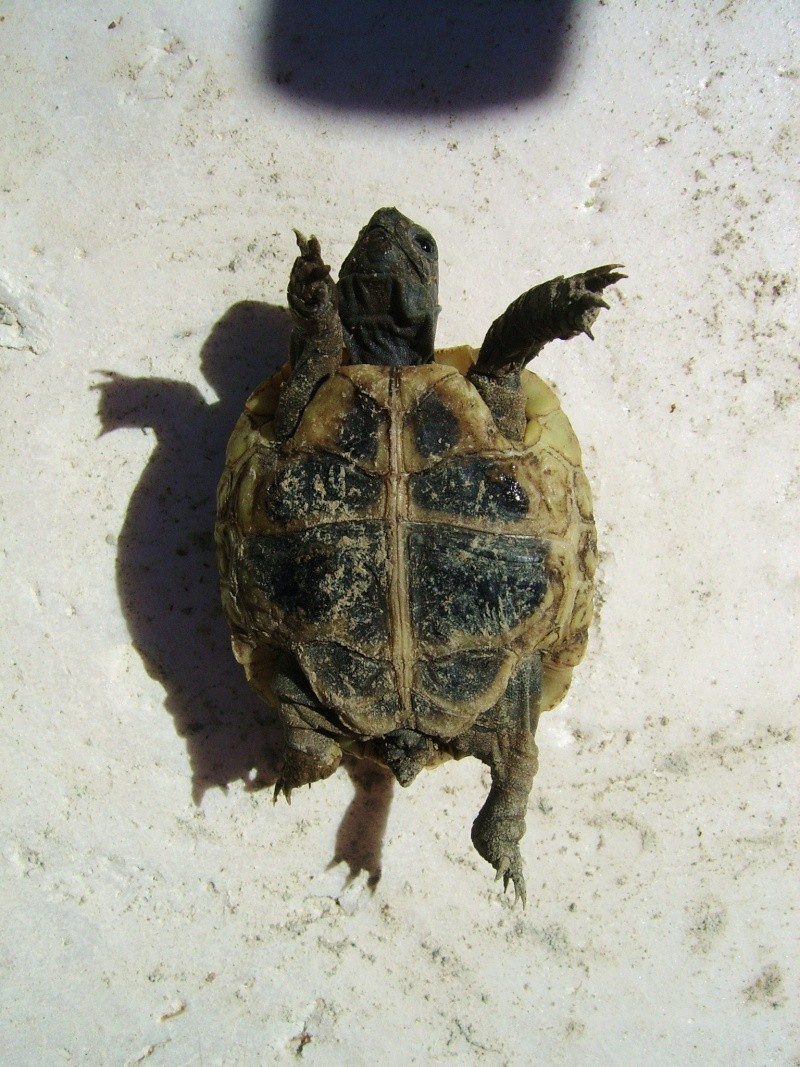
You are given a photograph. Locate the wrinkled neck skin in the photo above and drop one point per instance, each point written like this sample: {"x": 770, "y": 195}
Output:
{"x": 379, "y": 326}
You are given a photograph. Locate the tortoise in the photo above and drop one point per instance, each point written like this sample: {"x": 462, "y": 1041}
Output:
{"x": 405, "y": 536}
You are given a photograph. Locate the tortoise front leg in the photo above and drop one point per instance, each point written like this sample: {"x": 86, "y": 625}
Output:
{"x": 502, "y": 738}
{"x": 315, "y": 347}
{"x": 561, "y": 308}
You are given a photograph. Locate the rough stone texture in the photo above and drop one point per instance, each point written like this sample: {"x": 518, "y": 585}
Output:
{"x": 150, "y": 177}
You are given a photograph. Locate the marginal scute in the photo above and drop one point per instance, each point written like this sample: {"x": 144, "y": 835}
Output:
{"x": 587, "y": 552}
{"x": 260, "y": 661}
{"x": 582, "y": 609}
{"x": 533, "y": 431}
{"x": 540, "y": 400}
{"x": 246, "y": 492}
{"x": 557, "y": 435}
{"x": 570, "y": 652}
{"x": 241, "y": 440}
{"x": 555, "y": 683}
{"x": 583, "y": 495}
{"x": 553, "y": 478}
{"x": 263, "y": 402}
{"x": 224, "y": 491}
{"x": 461, "y": 357}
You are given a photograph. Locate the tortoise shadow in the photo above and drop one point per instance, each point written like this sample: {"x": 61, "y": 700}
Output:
{"x": 167, "y": 578}
{"x": 359, "y": 839}
{"x": 165, "y": 567}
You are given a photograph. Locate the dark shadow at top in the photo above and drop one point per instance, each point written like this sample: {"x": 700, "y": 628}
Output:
{"x": 442, "y": 57}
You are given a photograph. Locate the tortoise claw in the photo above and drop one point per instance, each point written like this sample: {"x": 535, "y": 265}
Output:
{"x": 281, "y": 788}
{"x": 513, "y": 875}
{"x": 508, "y": 868}
{"x": 309, "y": 246}
{"x": 600, "y": 277}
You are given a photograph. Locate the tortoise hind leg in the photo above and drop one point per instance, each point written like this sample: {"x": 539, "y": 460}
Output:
{"x": 310, "y": 753}
{"x": 502, "y": 738}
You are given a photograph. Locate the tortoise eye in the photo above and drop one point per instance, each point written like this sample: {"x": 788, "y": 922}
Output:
{"x": 425, "y": 242}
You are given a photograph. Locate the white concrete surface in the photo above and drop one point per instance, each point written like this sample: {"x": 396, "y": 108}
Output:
{"x": 156, "y": 907}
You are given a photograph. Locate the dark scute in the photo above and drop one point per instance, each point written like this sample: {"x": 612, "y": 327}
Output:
{"x": 388, "y": 706}
{"x": 433, "y": 715}
{"x": 360, "y": 428}
{"x": 473, "y": 583}
{"x": 329, "y": 575}
{"x": 462, "y": 677}
{"x": 320, "y": 484}
{"x": 434, "y": 425}
{"x": 289, "y": 682}
{"x": 471, "y": 485}
{"x": 346, "y": 673}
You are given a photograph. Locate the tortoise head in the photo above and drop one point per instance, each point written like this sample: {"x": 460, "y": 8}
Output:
{"x": 388, "y": 285}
